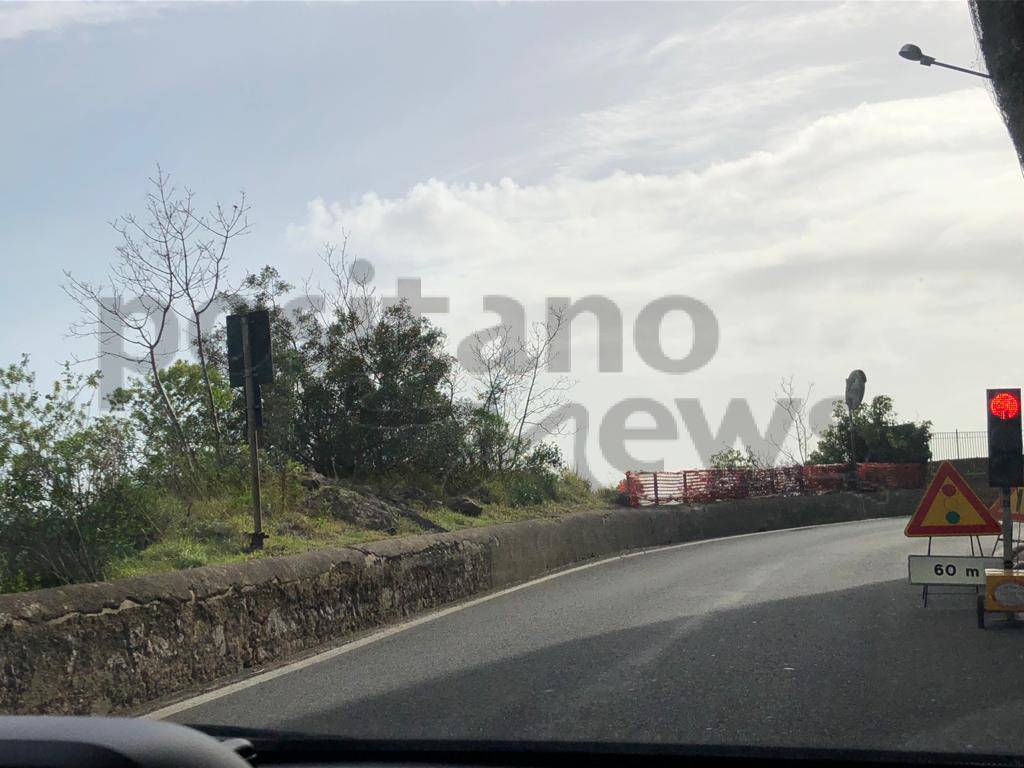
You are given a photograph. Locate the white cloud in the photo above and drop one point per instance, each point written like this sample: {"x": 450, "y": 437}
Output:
{"x": 762, "y": 24}
{"x": 725, "y": 83}
{"x": 678, "y": 122}
{"x": 885, "y": 237}
{"x": 20, "y": 19}
{"x": 890, "y": 162}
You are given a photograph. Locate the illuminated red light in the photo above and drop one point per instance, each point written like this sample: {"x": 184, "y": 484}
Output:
{"x": 1004, "y": 406}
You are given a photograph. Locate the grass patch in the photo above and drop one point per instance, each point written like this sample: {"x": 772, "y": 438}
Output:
{"x": 214, "y": 531}
{"x": 496, "y": 514}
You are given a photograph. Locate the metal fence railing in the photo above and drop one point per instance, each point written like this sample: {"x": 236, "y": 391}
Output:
{"x": 959, "y": 444}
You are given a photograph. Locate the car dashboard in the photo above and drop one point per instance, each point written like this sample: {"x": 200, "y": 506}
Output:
{"x": 108, "y": 742}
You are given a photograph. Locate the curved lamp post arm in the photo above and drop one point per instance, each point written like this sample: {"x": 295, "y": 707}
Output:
{"x": 912, "y": 52}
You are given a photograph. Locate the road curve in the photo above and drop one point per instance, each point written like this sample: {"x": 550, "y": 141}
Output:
{"x": 808, "y": 637}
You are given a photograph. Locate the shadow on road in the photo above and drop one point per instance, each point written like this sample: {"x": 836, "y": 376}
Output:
{"x": 866, "y": 667}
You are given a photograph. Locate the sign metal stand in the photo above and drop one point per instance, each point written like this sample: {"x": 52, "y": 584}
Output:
{"x": 975, "y": 553}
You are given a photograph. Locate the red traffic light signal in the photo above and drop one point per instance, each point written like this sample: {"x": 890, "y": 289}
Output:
{"x": 1005, "y": 451}
{"x": 1004, "y": 405}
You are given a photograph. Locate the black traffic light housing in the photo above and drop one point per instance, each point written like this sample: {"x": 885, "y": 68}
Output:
{"x": 258, "y": 322}
{"x": 1005, "y": 454}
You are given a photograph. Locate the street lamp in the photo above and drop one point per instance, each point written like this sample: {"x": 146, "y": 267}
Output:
{"x": 912, "y": 53}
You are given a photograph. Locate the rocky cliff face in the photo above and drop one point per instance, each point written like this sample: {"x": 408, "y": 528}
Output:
{"x": 999, "y": 25}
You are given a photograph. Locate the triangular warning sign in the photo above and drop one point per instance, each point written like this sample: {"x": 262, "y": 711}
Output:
{"x": 950, "y": 507}
{"x": 1016, "y": 507}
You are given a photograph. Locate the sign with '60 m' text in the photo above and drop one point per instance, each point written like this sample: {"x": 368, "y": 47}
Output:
{"x": 950, "y": 569}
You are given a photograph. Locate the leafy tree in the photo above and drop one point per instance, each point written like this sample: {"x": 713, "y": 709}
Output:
{"x": 189, "y": 390}
{"x": 878, "y": 436}
{"x": 376, "y": 402}
{"x": 359, "y": 389}
{"x": 70, "y": 501}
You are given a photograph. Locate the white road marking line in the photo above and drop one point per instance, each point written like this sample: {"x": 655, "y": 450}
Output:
{"x": 263, "y": 677}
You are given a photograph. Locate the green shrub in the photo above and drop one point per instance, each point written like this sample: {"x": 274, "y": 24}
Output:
{"x": 492, "y": 491}
{"x": 572, "y": 488}
{"x": 528, "y": 487}
{"x": 533, "y": 486}
{"x": 613, "y": 495}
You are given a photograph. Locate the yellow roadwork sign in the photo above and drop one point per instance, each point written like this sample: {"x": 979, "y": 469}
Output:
{"x": 950, "y": 507}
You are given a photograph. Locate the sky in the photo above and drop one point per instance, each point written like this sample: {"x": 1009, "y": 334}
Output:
{"x": 832, "y": 205}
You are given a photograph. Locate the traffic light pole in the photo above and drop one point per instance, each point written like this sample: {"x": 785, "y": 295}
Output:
{"x": 1011, "y": 616}
{"x": 257, "y": 536}
{"x": 1007, "y": 532}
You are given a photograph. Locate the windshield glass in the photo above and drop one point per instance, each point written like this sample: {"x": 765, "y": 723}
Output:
{"x": 521, "y": 371}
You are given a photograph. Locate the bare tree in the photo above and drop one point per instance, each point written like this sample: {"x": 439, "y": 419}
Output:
{"x": 795, "y": 445}
{"x": 169, "y": 257}
{"x": 144, "y": 273}
{"x": 200, "y": 258}
{"x": 515, "y": 386}
{"x": 455, "y": 383}
{"x": 351, "y": 298}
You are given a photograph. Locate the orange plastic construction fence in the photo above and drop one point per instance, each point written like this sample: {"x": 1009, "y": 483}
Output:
{"x": 700, "y": 486}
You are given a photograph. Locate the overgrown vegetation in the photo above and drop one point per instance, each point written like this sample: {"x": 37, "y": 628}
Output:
{"x": 370, "y": 429}
{"x": 879, "y": 436}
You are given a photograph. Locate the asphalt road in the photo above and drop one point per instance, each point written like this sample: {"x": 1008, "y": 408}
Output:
{"x": 811, "y": 637}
